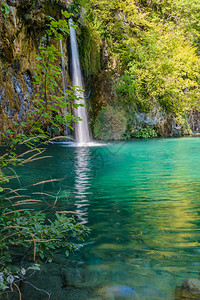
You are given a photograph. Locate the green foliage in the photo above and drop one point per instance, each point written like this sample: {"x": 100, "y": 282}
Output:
{"x": 59, "y": 29}
{"x": 153, "y": 48}
{"x": 126, "y": 89}
{"x": 35, "y": 235}
{"x": 126, "y": 136}
{"x": 165, "y": 69}
{"x": 49, "y": 102}
{"x": 9, "y": 276}
{"x": 181, "y": 121}
{"x": 183, "y": 13}
{"x": 75, "y": 6}
{"x": 32, "y": 235}
{"x": 145, "y": 133}
{"x": 110, "y": 19}
{"x": 110, "y": 124}
{"x": 5, "y": 10}
{"x": 90, "y": 46}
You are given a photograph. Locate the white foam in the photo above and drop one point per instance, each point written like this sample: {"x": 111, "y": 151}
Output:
{"x": 74, "y": 144}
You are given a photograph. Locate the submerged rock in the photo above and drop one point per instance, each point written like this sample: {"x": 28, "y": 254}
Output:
{"x": 189, "y": 290}
{"x": 79, "y": 278}
{"x": 119, "y": 292}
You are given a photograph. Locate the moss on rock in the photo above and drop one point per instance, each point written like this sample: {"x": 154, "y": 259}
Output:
{"x": 110, "y": 124}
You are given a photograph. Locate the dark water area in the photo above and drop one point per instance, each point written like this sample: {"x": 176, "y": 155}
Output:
{"x": 141, "y": 200}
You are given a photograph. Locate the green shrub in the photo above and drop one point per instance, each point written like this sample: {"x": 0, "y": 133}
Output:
{"x": 145, "y": 133}
{"x": 155, "y": 57}
{"x": 127, "y": 136}
{"x": 110, "y": 124}
{"x": 32, "y": 235}
{"x": 90, "y": 44}
{"x": 5, "y": 10}
{"x": 182, "y": 121}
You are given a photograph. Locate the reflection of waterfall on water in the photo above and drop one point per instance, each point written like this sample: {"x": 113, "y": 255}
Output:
{"x": 82, "y": 182}
{"x": 81, "y": 129}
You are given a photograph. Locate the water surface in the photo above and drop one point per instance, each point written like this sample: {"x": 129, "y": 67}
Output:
{"x": 142, "y": 201}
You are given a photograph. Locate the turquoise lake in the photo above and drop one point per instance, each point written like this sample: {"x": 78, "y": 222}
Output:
{"x": 141, "y": 200}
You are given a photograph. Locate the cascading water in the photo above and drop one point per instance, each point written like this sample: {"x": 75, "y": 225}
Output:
{"x": 64, "y": 80}
{"x": 63, "y": 70}
{"x": 82, "y": 135}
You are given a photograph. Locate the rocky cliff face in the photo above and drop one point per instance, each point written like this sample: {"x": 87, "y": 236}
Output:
{"x": 22, "y": 25}
{"x": 166, "y": 125}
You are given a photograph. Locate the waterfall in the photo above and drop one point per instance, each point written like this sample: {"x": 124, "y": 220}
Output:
{"x": 81, "y": 128}
{"x": 63, "y": 70}
{"x": 64, "y": 80}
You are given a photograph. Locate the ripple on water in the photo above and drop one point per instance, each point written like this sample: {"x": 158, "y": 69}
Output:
{"x": 141, "y": 200}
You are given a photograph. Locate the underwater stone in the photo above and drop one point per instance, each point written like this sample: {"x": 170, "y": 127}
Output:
{"x": 189, "y": 290}
{"x": 121, "y": 291}
{"x": 79, "y": 278}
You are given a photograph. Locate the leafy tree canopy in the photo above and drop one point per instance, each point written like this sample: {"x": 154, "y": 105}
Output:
{"x": 154, "y": 47}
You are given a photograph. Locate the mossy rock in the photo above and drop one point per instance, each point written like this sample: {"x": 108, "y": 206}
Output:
{"x": 189, "y": 290}
{"x": 110, "y": 124}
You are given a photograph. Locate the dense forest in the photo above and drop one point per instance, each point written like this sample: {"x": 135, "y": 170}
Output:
{"x": 148, "y": 51}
